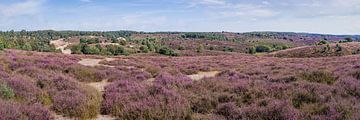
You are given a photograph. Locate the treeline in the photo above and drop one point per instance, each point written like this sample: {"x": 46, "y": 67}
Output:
{"x": 40, "y": 40}
{"x": 204, "y": 35}
{"x": 29, "y": 43}
{"x": 92, "y": 47}
{"x": 266, "y": 48}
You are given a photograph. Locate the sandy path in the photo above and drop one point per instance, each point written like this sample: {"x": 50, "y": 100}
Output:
{"x": 202, "y": 75}
{"x": 61, "y": 45}
{"x": 100, "y": 86}
{"x": 99, "y": 117}
{"x": 95, "y": 62}
{"x": 195, "y": 77}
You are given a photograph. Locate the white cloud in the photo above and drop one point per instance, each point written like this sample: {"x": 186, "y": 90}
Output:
{"x": 27, "y": 7}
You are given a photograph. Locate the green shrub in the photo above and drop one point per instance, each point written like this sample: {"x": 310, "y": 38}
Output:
{"x": 263, "y": 48}
{"x": 303, "y": 98}
{"x": 167, "y": 51}
{"x": 252, "y": 50}
{"x": 144, "y": 49}
{"x": 93, "y": 50}
{"x": 319, "y": 77}
{"x": 6, "y": 92}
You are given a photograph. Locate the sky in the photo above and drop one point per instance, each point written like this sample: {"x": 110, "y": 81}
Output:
{"x": 312, "y": 16}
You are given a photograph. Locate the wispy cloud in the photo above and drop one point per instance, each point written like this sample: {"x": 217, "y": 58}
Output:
{"x": 86, "y": 0}
{"x": 27, "y": 7}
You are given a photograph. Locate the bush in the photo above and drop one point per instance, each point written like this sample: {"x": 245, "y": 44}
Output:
{"x": 115, "y": 49}
{"x": 16, "y": 111}
{"x": 263, "y": 48}
{"x": 319, "y": 77}
{"x": 6, "y": 92}
{"x": 252, "y": 50}
{"x": 356, "y": 74}
{"x": 167, "y": 51}
{"x": 76, "y": 104}
{"x": 130, "y": 100}
{"x": 303, "y": 98}
{"x": 270, "y": 110}
{"x": 85, "y": 74}
{"x": 92, "y": 50}
{"x": 229, "y": 110}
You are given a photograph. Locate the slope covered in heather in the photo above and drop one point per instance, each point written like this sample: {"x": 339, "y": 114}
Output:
{"x": 44, "y": 85}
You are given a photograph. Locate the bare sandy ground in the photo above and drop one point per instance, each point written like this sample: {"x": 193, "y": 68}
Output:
{"x": 201, "y": 75}
{"x": 95, "y": 62}
{"x": 61, "y": 45}
{"x": 99, "y": 117}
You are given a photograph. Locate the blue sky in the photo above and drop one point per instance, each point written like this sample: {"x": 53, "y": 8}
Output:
{"x": 316, "y": 16}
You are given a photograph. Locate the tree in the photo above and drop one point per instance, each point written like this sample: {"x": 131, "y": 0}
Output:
{"x": 76, "y": 49}
{"x": 252, "y": 50}
{"x": 2, "y": 43}
{"x": 115, "y": 49}
{"x": 27, "y": 47}
{"x": 90, "y": 50}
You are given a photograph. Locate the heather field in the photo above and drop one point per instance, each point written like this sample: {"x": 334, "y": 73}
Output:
{"x": 231, "y": 86}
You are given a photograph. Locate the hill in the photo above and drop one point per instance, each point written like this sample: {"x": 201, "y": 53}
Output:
{"x": 42, "y": 85}
{"x": 326, "y": 50}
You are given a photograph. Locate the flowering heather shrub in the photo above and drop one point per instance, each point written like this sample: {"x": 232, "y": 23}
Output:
{"x": 119, "y": 74}
{"x": 24, "y": 89}
{"x": 169, "y": 80}
{"x": 75, "y": 104}
{"x": 232, "y": 75}
{"x": 269, "y": 109}
{"x": 16, "y": 111}
{"x": 319, "y": 77}
{"x": 356, "y": 74}
{"x": 351, "y": 86}
{"x": 130, "y": 100}
{"x": 229, "y": 110}
{"x": 85, "y": 74}
{"x": 37, "y": 112}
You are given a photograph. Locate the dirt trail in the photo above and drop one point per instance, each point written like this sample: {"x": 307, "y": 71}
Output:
{"x": 100, "y": 86}
{"x": 194, "y": 77}
{"x": 61, "y": 45}
{"x": 95, "y": 62}
{"x": 201, "y": 75}
{"x": 99, "y": 117}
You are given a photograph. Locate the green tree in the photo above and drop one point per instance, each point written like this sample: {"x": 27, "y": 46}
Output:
{"x": 252, "y": 50}
{"x": 2, "y": 43}
{"x": 76, "y": 49}
{"x": 115, "y": 49}
{"x": 27, "y": 47}
{"x": 93, "y": 50}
